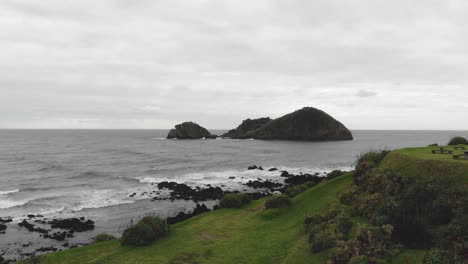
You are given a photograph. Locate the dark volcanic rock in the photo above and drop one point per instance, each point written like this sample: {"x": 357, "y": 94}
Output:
{"x": 199, "y": 209}
{"x": 303, "y": 178}
{"x": 31, "y": 227}
{"x": 308, "y": 123}
{"x": 246, "y": 126}
{"x": 267, "y": 184}
{"x": 185, "y": 192}
{"x": 2, "y": 227}
{"x": 5, "y": 220}
{"x": 74, "y": 224}
{"x": 189, "y": 130}
{"x": 272, "y": 169}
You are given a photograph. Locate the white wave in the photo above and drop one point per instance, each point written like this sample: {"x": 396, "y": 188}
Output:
{"x": 10, "y": 191}
{"x": 218, "y": 178}
{"x": 4, "y": 204}
{"x": 98, "y": 199}
{"x": 159, "y": 138}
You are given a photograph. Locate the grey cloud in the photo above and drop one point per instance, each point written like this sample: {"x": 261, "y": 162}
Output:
{"x": 365, "y": 93}
{"x": 149, "y": 64}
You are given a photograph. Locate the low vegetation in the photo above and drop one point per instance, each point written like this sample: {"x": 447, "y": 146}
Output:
{"x": 295, "y": 190}
{"x": 145, "y": 231}
{"x": 234, "y": 200}
{"x": 407, "y": 206}
{"x": 398, "y": 211}
{"x": 103, "y": 237}
{"x": 278, "y": 201}
{"x": 458, "y": 141}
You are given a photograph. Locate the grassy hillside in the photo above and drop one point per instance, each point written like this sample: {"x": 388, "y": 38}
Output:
{"x": 246, "y": 235}
{"x": 420, "y": 162}
{"x": 252, "y": 234}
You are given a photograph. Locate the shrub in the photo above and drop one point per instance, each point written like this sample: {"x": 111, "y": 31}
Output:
{"x": 458, "y": 141}
{"x": 310, "y": 184}
{"x": 138, "y": 235}
{"x": 103, "y": 237}
{"x": 148, "y": 229}
{"x": 343, "y": 223}
{"x": 159, "y": 226}
{"x": 278, "y": 201}
{"x": 293, "y": 191}
{"x": 341, "y": 254}
{"x": 436, "y": 256}
{"x": 333, "y": 174}
{"x": 358, "y": 260}
{"x": 321, "y": 240}
{"x": 234, "y": 200}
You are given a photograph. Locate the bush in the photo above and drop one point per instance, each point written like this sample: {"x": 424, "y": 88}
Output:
{"x": 138, "y": 235}
{"x": 335, "y": 173}
{"x": 436, "y": 256}
{"x": 310, "y": 184}
{"x": 321, "y": 240}
{"x": 103, "y": 237}
{"x": 343, "y": 223}
{"x": 159, "y": 226}
{"x": 147, "y": 230}
{"x": 234, "y": 200}
{"x": 358, "y": 260}
{"x": 458, "y": 141}
{"x": 278, "y": 201}
{"x": 293, "y": 191}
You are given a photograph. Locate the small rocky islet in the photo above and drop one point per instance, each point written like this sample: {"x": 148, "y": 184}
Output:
{"x": 306, "y": 124}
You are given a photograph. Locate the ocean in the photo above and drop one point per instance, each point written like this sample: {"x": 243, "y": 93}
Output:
{"x": 92, "y": 173}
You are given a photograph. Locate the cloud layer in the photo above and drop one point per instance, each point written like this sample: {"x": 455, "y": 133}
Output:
{"x": 151, "y": 64}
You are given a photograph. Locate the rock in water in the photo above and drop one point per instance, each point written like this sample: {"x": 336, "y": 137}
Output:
{"x": 307, "y": 123}
{"x": 247, "y": 126}
{"x": 189, "y": 130}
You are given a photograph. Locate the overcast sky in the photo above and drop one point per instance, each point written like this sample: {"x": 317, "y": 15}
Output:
{"x": 151, "y": 64}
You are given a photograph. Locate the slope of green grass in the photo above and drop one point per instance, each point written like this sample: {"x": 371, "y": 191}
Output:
{"x": 246, "y": 235}
{"x": 420, "y": 162}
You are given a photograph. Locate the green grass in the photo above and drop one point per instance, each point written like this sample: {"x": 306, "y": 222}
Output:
{"x": 420, "y": 162}
{"x": 250, "y": 234}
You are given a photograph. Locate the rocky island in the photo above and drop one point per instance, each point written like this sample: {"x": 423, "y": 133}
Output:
{"x": 189, "y": 130}
{"x": 308, "y": 124}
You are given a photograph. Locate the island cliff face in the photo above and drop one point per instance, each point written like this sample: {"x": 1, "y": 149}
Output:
{"x": 308, "y": 124}
{"x": 189, "y": 130}
{"x": 247, "y": 126}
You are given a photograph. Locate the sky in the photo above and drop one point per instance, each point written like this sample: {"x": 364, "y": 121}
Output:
{"x": 151, "y": 64}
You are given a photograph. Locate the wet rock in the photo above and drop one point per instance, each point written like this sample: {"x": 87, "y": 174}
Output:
{"x": 30, "y": 227}
{"x": 273, "y": 169}
{"x": 231, "y": 178}
{"x": 75, "y": 224}
{"x": 267, "y": 184}
{"x": 5, "y": 220}
{"x": 46, "y": 249}
{"x": 185, "y": 192}
{"x": 303, "y": 178}
{"x": 132, "y": 195}
{"x": 253, "y": 167}
{"x": 2, "y": 227}
{"x": 285, "y": 174}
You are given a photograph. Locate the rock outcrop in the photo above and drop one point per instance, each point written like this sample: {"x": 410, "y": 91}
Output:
{"x": 189, "y": 130}
{"x": 308, "y": 124}
{"x": 247, "y": 126}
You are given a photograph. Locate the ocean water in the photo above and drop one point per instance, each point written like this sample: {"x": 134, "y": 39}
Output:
{"x": 91, "y": 173}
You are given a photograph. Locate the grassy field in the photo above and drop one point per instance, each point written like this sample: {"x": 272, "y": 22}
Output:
{"x": 420, "y": 162}
{"x": 252, "y": 234}
{"x": 246, "y": 235}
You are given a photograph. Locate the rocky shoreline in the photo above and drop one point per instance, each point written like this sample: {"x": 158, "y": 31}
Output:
{"x": 63, "y": 229}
